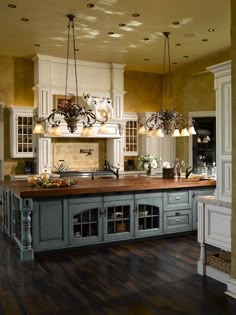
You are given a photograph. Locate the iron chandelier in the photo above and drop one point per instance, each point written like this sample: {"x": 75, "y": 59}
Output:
{"x": 71, "y": 112}
{"x": 166, "y": 121}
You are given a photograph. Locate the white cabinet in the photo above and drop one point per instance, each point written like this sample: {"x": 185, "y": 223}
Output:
{"x": 131, "y": 134}
{"x": 218, "y": 226}
{"x": 214, "y": 228}
{"x": 44, "y": 157}
{"x": 222, "y": 75}
{"x": 21, "y": 127}
{"x": 214, "y": 214}
{"x": 162, "y": 148}
{"x": 115, "y": 153}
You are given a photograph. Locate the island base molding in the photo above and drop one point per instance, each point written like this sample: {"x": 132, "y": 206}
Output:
{"x": 231, "y": 287}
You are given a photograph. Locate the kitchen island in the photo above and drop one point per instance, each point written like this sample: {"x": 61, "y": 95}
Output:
{"x": 98, "y": 211}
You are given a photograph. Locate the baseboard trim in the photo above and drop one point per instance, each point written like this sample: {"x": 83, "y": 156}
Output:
{"x": 217, "y": 274}
{"x": 231, "y": 287}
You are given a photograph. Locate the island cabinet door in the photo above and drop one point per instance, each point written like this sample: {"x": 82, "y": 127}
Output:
{"x": 118, "y": 216}
{"x": 148, "y": 214}
{"x": 85, "y": 222}
{"x": 50, "y": 224}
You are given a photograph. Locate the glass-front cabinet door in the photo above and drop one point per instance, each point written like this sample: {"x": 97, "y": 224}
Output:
{"x": 118, "y": 218}
{"x": 85, "y": 223}
{"x": 21, "y": 132}
{"x": 148, "y": 214}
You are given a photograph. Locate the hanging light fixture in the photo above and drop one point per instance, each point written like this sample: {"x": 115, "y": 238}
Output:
{"x": 71, "y": 112}
{"x": 166, "y": 121}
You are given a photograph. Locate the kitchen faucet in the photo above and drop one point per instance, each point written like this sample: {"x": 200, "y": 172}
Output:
{"x": 188, "y": 171}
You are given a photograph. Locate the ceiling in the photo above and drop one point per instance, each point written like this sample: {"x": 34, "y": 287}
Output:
{"x": 139, "y": 44}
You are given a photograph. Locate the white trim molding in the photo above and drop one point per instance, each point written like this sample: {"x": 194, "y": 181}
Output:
{"x": 231, "y": 287}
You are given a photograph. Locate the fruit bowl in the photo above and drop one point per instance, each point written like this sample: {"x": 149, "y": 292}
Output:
{"x": 56, "y": 182}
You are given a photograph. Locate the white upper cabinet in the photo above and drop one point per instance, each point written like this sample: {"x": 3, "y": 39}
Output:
{"x": 222, "y": 75}
{"x": 21, "y": 137}
{"x": 130, "y": 134}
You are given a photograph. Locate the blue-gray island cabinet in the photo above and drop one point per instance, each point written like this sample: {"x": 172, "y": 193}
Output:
{"x": 98, "y": 211}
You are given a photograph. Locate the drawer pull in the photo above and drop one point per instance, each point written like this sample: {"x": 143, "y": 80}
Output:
{"x": 177, "y": 213}
{"x": 177, "y": 220}
{"x": 177, "y": 198}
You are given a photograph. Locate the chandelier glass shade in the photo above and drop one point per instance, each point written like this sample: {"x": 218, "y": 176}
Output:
{"x": 72, "y": 112}
{"x": 166, "y": 121}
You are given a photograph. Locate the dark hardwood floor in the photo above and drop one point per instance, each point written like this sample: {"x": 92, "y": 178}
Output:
{"x": 142, "y": 278}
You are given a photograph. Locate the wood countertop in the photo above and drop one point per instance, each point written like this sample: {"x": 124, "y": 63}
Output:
{"x": 104, "y": 185}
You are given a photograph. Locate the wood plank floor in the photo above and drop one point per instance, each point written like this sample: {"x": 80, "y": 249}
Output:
{"x": 142, "y": 278}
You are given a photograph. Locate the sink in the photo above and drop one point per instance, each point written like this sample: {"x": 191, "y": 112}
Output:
{"x": 197, "y": 178}
{"x": 191, "y": 179}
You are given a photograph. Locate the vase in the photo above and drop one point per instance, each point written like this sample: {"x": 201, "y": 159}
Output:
{"x": 150, "y": 170}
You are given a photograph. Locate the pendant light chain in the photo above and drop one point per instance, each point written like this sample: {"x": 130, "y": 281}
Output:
{"x": 169, "y": 70}
{"x": 164, "y": 70}
{"x": 70, "y": 17}
{"x": 75, "y": 63}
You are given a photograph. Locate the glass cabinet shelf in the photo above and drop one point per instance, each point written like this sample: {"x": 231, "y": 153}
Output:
{"x": 85, "y": 223}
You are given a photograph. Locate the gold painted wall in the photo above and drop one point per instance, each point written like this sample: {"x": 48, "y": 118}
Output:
{"x": 143, "y": 91}
{"x": 193, "y": 90}
{"x": 15, "y": 90}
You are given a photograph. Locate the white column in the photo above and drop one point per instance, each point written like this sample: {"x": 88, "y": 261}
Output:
{"x": 117, "y": 90}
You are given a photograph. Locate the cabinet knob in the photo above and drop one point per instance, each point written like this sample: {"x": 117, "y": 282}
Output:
{"x": 177, "y": 198}
{"x": 177, "y": 220}
{"x": 177, "y": 213}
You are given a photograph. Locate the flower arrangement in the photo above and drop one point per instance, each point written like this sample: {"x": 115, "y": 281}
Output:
{"x": 69, "y": 109}
{"x": 146, "y": 162}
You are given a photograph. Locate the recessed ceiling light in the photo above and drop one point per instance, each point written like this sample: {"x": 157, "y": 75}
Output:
{"x": 90, "y": 5}
{"x": 24, "y": 19}
{"x": 178, "y": 44}
{"x": 175, "y": 23}
{"x": 37, "y": 45}
{"x": 110, "y": 33}
{"x": 122, "y": 25}
{"x": 146, "y": 38}
{"x": 211, "y": 30}
{"x": 11, "y": 6}
{"x": 204, "y": 40}
{"x": 135, "y": 14}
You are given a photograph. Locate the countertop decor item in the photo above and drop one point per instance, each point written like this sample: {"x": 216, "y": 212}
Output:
{"x": 56, "y": 182}
{"x": 71, "y": 111}
{"x": 148, "y": 163}
{"x": 166, "y": 121}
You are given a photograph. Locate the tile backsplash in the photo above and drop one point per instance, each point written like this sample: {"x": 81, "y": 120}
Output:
{"x": 79, "y": 155}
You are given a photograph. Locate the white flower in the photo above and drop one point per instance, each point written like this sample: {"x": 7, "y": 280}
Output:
{"x": 145, "y": 160}
{"x": 154, "y": 164}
